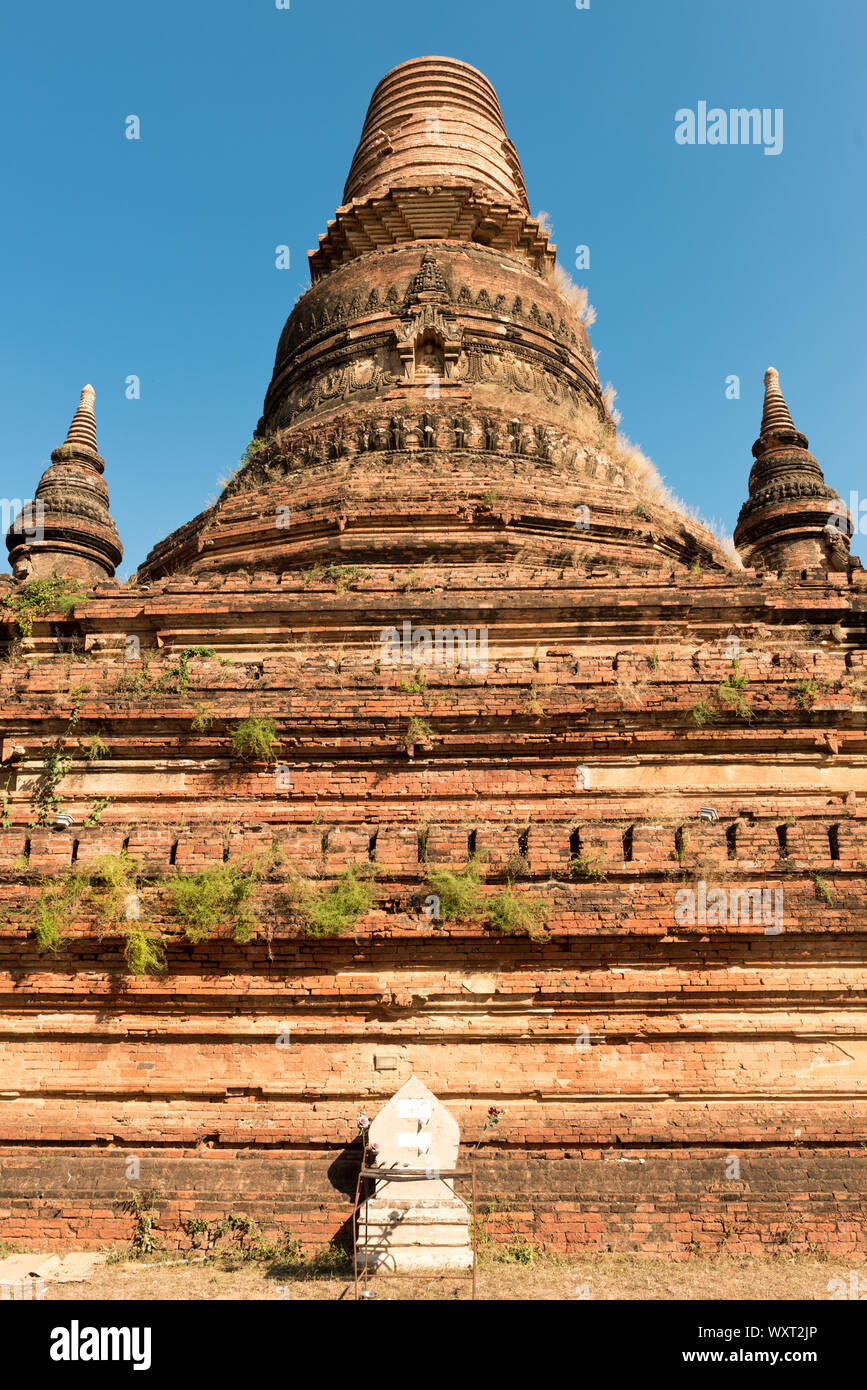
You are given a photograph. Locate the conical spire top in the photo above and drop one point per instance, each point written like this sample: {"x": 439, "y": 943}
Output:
{"x": 82, "y": 430}
{"x": 775, "y": 416}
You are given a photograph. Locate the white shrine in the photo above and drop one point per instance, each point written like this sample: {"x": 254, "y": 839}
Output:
{"x": 409, "y": 1225}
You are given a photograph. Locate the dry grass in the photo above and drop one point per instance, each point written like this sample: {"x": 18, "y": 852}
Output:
{"x": 575, "y": 294}
{"x": 602, "y": 1277}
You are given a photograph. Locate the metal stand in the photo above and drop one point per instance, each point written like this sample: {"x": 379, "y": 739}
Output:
{"x": 406, "y": 1175}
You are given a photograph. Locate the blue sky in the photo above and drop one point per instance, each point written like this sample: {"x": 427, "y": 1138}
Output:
{"x": 156, "y": 257}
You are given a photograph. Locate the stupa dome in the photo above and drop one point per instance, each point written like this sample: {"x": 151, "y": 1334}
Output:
{"x": 434, "y": 392}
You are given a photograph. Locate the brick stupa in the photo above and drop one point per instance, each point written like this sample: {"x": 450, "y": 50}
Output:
{"x": 657, "y": 775}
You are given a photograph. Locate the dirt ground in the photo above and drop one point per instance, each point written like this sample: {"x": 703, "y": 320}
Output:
{"x": 598, "y": 1277}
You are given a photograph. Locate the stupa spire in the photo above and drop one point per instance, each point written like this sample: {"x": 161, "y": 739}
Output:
{"x": 434, "y": 161}
{"x": 436, "y": 120}
{"x": 67, "y": 530}
{"x": 775, "y": 415}
{"x": 82, "y": 429}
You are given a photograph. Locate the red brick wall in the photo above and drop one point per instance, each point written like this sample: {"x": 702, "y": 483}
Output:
{"x": 703, "y": 1040}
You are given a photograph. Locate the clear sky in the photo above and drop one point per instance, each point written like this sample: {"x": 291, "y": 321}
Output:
{"x": 156, "y": 257}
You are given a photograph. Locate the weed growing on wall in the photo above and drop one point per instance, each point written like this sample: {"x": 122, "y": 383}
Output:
{"x": 181, "y": 672}
{"x": 203, "y": 718}
{"x": 54, "y": 909}
{"x": 140, "y": 685}
{"x": 335, "y": 909}
{"x": 587, "y": 866}
{"x": 255, "y": 740}
{"x": 113, "y": 883}
{"x": 55, "y": 765}
{"x": 518, "y": 915}
{"x": 703, "y": 713}
{"x": 459, "y": 891}
{"x": 416, "y": 686}
{"x": 419, "y": 732}
{"x": 341, "y": 576}
{"x": 824, "y": 891}
{"x": 731, "y": 692}
{"x": 95, "y": 813}
{"x": 39, "y": 597}
{"x": 215, "y": 897}
{"x": 144, "y": 952}
{"x": 141, "y": 1207}
{"x": 94, "y": 748}
{"x": 806, "y": 692}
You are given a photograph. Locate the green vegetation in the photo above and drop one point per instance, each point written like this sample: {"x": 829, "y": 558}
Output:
{"x": 459, "y": 891}
{"x": 54, "y": 908}
{"x": 417, "y": 731}
{"x": 418, "y": 684}
{"x": 112, "y": 882}
{"x": 140, "y": 685}
{"x": 517, "y": 1250}
{"x": 94, "y": 748}
{"x": 462, "y": 899}
{"x": 75, "y": 713}
{"x": 55, "y": 765}
{"x": 703, "y": 713}
{"x": 341, "y": 576}
{"x": 531, "y": 701}
{"x": 239, "y": 1238}
{"x": 519, "y": 915}
{"x": 203, "y": 718}
{"x": 141, "y": 1207}
{"x": 654, "y": 660}
{"x": 215, "y": 897}
{"x": 335, "y": 909}
{"x": 144, "y": 953}
{"x": 255, "y": 740}
{"x": 201, "y": 901}
{"x": 253, "y": 448}
{"x": 587, "y": 866}
{"x": 96, "y": 810}
{"x": 182, "y": 670}
{"x": 39, "y": 597}
{"x": 731, "y": 692}
{"x": 106, "y": 888}
{"x": 824, "y": 891}
{"x": 56, "y": 762}
{"x": 806, "y": 692}
{"x": 133, "y": 685}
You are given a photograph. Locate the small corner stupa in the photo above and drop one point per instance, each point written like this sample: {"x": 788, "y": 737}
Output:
{"x": 792, "y": 519}
{"x": 67, "y": 530}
